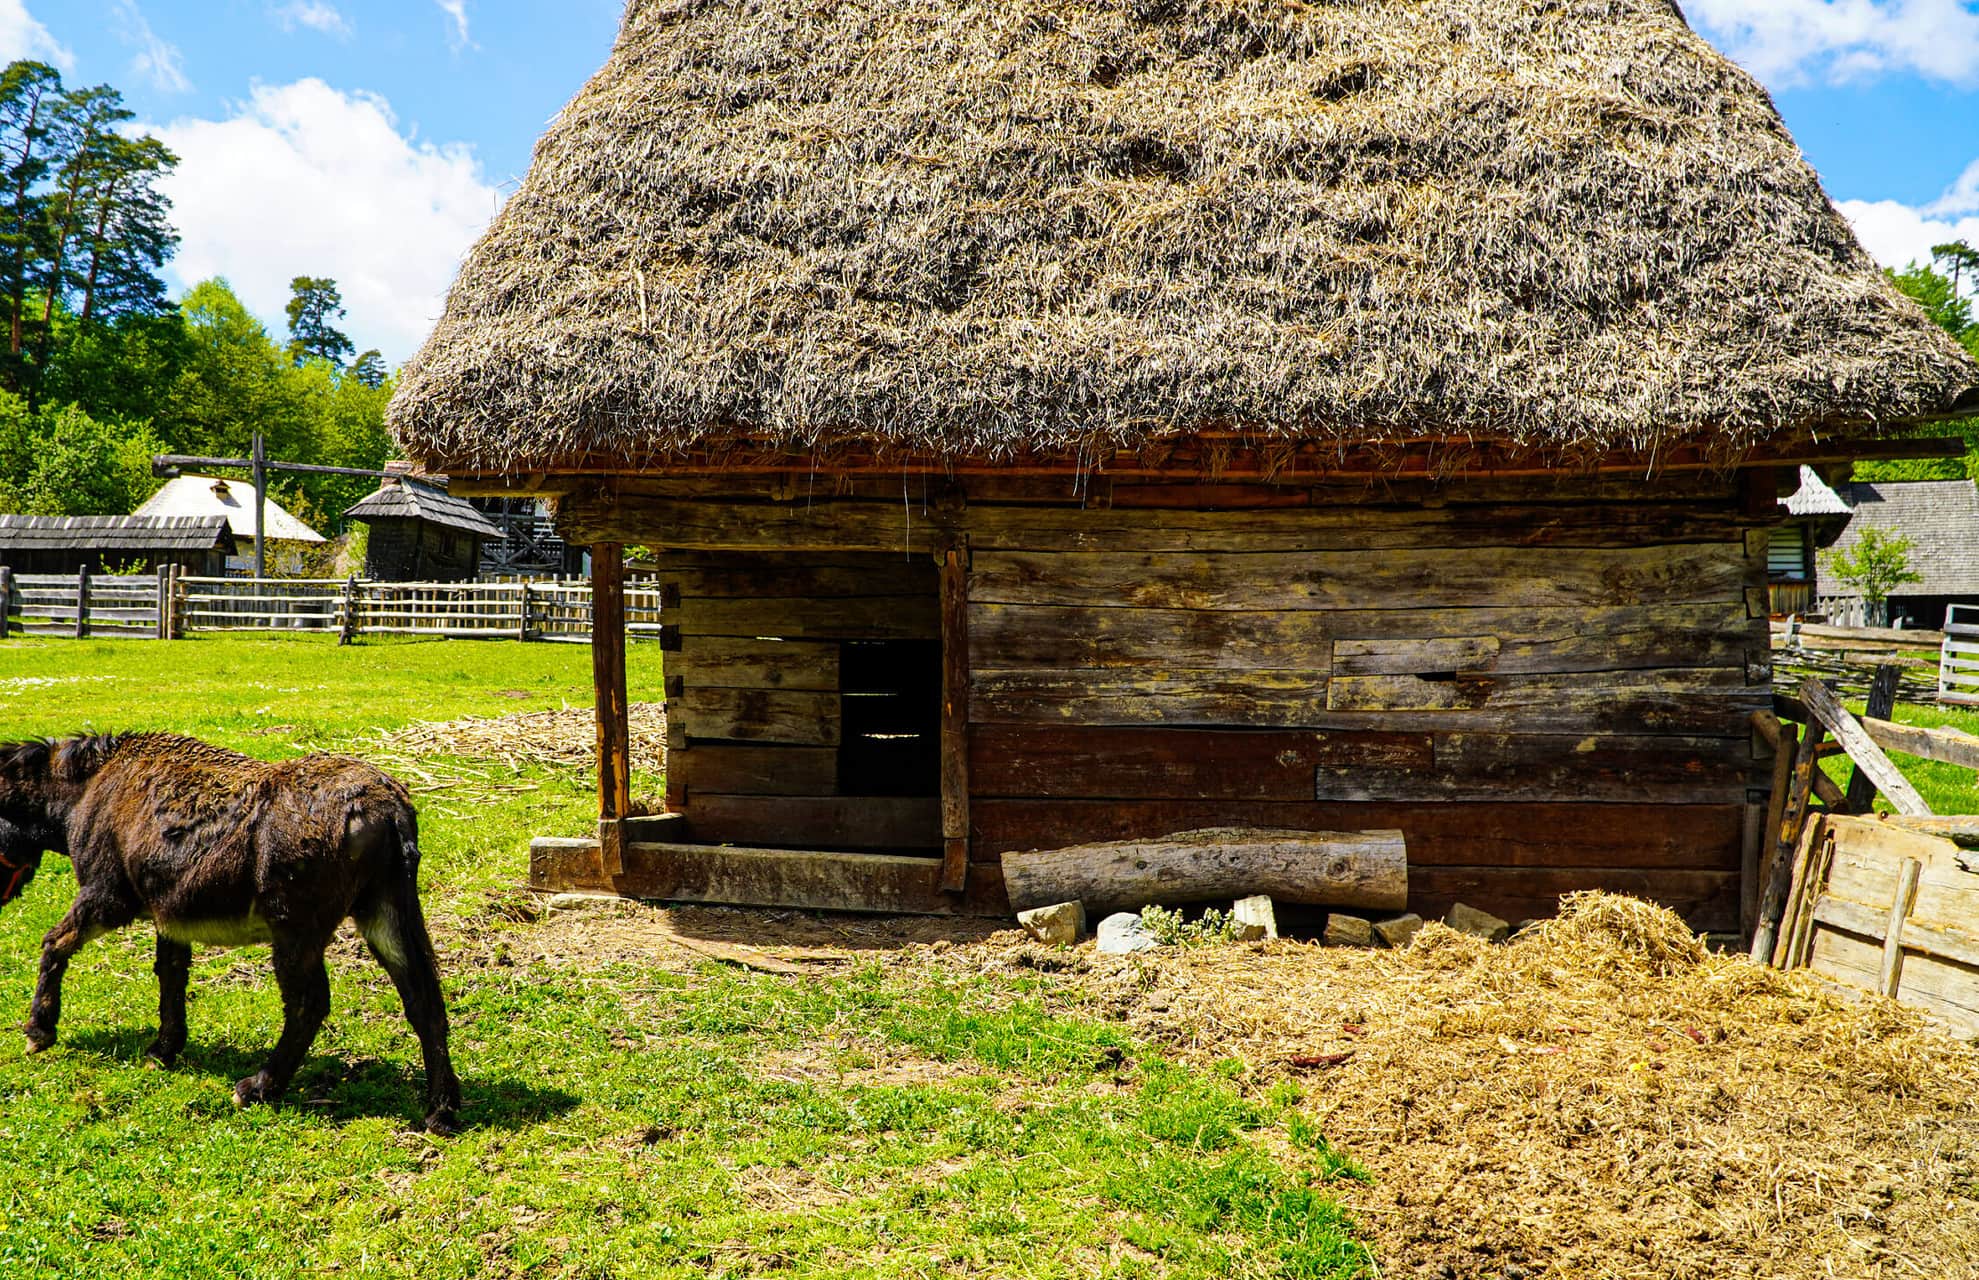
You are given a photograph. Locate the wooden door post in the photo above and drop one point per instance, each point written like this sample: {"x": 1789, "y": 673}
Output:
{"x": 82, "y": 602}
{"x": 6, "y": 600}
{"x": 608, "y": 681}
{"x": 955, "y": 717}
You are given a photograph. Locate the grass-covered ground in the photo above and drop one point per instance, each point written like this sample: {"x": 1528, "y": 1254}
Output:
{"x": 630, "y": 1114}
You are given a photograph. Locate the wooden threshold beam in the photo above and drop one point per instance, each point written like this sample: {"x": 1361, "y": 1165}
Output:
{"x": 608, "y": 683}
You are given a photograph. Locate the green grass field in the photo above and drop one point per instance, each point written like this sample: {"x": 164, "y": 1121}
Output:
{"x": 627, "y": 1117}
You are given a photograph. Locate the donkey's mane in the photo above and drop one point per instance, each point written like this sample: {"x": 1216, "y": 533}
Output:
{"x": 69, "y": 758}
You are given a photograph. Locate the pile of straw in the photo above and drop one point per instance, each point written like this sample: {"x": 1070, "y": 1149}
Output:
{"x": 555, "y": 738}
{"x": 1598, "y": 1098}
{"x": 976, "y": 229}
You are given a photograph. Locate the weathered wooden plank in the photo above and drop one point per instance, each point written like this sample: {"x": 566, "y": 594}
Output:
{"x": 1882, "y": 700}
{"x": 1785, "y": 838}
{"x": 955, "y": 717}
{"x": 1639, "y": 836}
{"x": 851, "y": 618}
{"x": 755, "y": 771}
{"x": 1572, "y": 696}
{"x": 807, "y": 879}
{"x": 1944, "y": 744}
{"x": 1716, "y": 634}
{"x": 1867, "y": 756}
{"x": 1476, "y": 577}
{"x": 817, "y": 822}
{"x": 797, "y": 717}
{"x": 751, "y": 577}
{"x": 1873, "y": 922}
{"x": 1605, "y": 767}
{"x": 1412, "y": 657}
{"x": 1129, "y": 763}
{"x": 737, "y": 662}
{"x": 1943, "y": 989}
{"x": 1890, "y": 975}
{"x": 1150, "y": 696}
{"x": 1336, "y": 868}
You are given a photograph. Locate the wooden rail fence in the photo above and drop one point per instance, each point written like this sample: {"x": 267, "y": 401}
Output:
{"x": 170, "y": 604}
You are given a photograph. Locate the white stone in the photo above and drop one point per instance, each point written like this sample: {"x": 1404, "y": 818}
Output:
{"x": 1122, "y": 933}
{"x": 1058, "y": 925}
{"x": 1255, "y": 917}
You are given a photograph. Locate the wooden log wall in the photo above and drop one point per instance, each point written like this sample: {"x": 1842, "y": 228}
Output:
{"x": 759, "y": 676}
{"x": 1545, "y": 686}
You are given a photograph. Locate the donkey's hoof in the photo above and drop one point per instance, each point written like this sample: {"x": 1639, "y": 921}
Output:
{"x": 443, "y": 1123}
{"x": 160, "y": 1056}
{"x": 39, "y": 1040}
{"x": 254, "y": 1091}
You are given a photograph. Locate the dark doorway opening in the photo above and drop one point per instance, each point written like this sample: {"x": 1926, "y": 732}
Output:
{"x": 890, "y": 701}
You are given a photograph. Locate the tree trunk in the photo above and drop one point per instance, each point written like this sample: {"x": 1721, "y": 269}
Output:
{"x": 1334, "y": 868}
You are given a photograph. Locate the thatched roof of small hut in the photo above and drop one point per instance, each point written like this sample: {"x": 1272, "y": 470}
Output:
{"x": 978, "y": 228}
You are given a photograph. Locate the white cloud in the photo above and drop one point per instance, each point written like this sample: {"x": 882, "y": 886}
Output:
{"x": 1897, "y": 235}
{"x": 23, "y": 37}
{"x": 316, "y": 15}
{"x": 306, "y": 180}
{"x": 157, "y": 60}
{"x": 1790, "y": 42}
{"x": 456, "y": 11}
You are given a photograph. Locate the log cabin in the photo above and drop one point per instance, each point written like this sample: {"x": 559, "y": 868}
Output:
{"x": 1067, "y": 423}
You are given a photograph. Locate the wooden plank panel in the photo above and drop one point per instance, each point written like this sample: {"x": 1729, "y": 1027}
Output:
{"x": 1151, "y": 696}
{"x": 1943, "y": 989}
{"x": 755, "y": 771}
{"x": 736, "y": 662}
{"x": 1367, "y": 641}
{"x": 1649, "y": 836}
{"x": 818, "y": 822}
{"x": 1128, "y": 763}
{"x": 752, "y": 577}
{"x": 1476, "y": 577}
{"x": 1499, "y": 766}
{"x": 758, "y": 715}
{"x": 852, "y": 617}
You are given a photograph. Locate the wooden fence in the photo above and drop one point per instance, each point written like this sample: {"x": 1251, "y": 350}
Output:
{"x": 1846, "y": 658}
{"x": 170, "y": 604}
{"x": 1958, "y": 663}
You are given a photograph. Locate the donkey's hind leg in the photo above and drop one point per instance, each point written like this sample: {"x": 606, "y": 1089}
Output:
{"x": 173, "y": 967}
{"x": 91, "y": 915}
{"x": 305, "y": 988}
{"x": 397, "y": 936}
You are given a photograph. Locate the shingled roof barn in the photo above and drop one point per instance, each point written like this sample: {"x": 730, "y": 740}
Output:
{"x": 1941, "y": 519}
{"x": 66, "y": 544}
{"x": 420, "y": 532}
{"x": 1120, "y": 418}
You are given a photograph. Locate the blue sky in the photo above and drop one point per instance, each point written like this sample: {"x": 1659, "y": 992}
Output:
{"x": 371, "y": 140}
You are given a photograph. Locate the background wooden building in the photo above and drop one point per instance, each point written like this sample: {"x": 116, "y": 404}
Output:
{"x": 1137, "y": 418}
{"x": 293, "y": 548}
{"x": 65, "y": 544}
{"x": 1941, "y": 520}
{"x": 421, "y": 533}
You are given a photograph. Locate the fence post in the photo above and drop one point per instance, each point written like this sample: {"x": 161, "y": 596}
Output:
{"x": 176, "y": 619}
{"x": 6, "y": 600}
{"x": 349, "y": 632}
{"x": 522, "y": 618}
{"x": 163, "y": 630}
{"x": 82, "y": 603}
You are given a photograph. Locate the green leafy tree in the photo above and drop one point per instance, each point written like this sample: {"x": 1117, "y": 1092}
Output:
{"x": 1957, "y": 259}
{"x": 63, "y": 462}
{"x": 370, "y": 369}
{"x": 1941, "y": 299}
{"x": 315, "y": 303}
{"x": 1878, "y": 565}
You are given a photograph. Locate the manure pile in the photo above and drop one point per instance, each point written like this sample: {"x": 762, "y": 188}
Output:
{"x": 1598, "y": 1098}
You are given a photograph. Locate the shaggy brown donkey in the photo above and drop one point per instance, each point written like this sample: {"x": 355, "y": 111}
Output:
{"x": 220, "y": 848}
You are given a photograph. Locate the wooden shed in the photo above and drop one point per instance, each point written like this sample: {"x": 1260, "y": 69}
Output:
{"x": 1116, "y": 419}
{"x": 419, "y": 532}
{"x": 102, "y": 544}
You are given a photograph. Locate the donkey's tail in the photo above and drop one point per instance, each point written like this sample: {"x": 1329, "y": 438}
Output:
{"x": 393, "y": 922}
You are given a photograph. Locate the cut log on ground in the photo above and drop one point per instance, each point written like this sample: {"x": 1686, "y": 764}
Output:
{"x": 1330, "y": 868}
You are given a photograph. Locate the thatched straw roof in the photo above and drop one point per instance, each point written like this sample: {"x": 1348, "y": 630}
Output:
{"x": 981, "y": 228}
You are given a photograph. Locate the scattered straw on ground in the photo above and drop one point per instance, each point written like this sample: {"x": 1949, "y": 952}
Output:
{"x": 1601, "y": 1098}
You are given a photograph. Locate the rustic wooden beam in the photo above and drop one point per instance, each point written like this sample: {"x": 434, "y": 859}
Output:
{"x": 955, "y": 717}
{"x": 608, "y": 682}
{"x": 1334, "y": 868}
{"x": 82, "y": 602}
{"x": 1961, "y": 829}
{"x": 1900, "y": 904}
{"x": 1786, "y": 839}
{"x": 1881, "y": 703}
{"x": 1948, "y": 746}
{"x": 1826, "y": 708}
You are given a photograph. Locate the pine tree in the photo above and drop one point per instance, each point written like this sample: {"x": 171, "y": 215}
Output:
{"x": 315, "y": 303}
